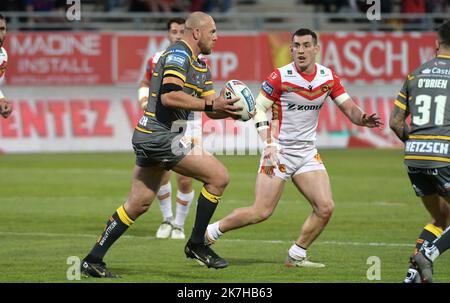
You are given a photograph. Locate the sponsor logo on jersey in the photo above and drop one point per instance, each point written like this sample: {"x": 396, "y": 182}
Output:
{"x": 293, "y": 107}
{"x": 179, "y": 51}
{"x": 436, "y": 71}
{"x": 427, "y": 147}
{"x": 289, "y": 72}
{"x": 267, "y": 88}
{"x": 175, "y": 59}
{"x": 273, "y": 75}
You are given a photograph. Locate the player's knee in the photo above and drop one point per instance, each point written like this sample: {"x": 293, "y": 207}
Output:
{"x": 222, "y": 179}
{"x": 325, "y": 209}
{"x": 185, "y": 184}
{"x": 138, "y": 205}
{"x": 262, "y": 215}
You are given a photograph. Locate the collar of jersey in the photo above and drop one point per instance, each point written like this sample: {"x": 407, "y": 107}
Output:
{"x": 307, "y": 77}
{"x": 190, "y": 49}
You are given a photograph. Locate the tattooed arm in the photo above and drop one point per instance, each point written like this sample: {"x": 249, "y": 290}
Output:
{"x": 398, "y": 124}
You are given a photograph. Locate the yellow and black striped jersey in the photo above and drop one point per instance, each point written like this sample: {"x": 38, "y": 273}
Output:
{"x": 424, "y": 96}
{"x": 177, "y": 61}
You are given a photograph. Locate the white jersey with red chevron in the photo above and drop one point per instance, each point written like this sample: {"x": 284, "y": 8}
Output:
{"x": 151, "y": 64}
{"x": 298, "y": 98}
{"x": 3, "y": 62}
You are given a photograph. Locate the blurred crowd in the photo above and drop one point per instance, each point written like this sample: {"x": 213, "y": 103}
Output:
{"x": 121, "y": 5}
{"x": 329, "y": 6}
{"x": 387, "y": 6}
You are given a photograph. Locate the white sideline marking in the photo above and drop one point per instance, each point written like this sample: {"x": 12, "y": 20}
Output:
{"x": 38, "y": 234}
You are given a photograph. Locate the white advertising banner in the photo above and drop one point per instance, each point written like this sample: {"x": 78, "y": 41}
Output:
{"x": 102, "y": 118}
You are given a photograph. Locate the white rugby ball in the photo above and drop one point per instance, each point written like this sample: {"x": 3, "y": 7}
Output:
{"x": 236, "y": 88}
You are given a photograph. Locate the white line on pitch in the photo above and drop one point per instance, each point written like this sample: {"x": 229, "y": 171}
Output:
{"x": 42, "y": 234}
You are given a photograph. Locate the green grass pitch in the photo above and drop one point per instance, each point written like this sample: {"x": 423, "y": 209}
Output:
{"x": 54, "y": 206}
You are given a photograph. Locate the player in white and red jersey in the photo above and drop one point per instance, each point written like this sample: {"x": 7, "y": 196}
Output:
{"x": 171, "y": 226}
{"x": 295, "y": 93}
{"x": 5, "y": 105}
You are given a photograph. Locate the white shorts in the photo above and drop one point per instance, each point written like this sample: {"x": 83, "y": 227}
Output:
{"x": 294, "y": 162}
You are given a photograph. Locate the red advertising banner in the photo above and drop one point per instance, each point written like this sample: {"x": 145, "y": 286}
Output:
{"x": 370, "y": 57}
{"x": 132, "y": 52}
{"x": 229, "y": 60}
{"x": 58, "y": 58}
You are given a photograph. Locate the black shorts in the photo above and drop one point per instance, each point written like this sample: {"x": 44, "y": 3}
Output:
{"x": 164, "y": 149}
{"x": 427, "y": 181}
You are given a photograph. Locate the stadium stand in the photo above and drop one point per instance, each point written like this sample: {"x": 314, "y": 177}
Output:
{"x": 243, "y": 15}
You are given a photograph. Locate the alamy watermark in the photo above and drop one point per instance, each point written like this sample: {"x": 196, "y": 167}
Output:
{"x": 374, "y": 11}
{"x": 73, "y": 271}
{"x": 73, "y": 10}
{"x": 374, "y": 270}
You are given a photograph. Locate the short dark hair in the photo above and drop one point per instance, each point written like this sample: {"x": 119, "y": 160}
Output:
{"x": 305, "y": 32}
{"x": 444, "y": 34}
{"x": 177, "y": 20}
{"x": 2, "y": 17}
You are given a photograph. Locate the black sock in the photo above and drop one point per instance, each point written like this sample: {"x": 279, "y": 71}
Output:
{"x": 117, "y": 224}
{"x": 206, "y": 205}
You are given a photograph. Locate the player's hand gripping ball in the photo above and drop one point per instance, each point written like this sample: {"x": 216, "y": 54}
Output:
{"x": 236, "y": 88}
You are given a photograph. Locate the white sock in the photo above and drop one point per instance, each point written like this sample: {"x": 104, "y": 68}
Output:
{"x": 432, "y": 253}
{"x": 213, "y": 231}
{"x": 297, "y": 252}
{"x": 184, "y": 202}
{"x": 166, "y": 204}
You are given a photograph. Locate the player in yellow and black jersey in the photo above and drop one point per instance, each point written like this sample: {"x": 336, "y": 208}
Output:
{"x": 180, "y": 84}
{"x": 425, "y": 96}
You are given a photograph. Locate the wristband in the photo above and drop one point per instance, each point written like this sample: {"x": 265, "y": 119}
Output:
{"x": 209, "y": 108}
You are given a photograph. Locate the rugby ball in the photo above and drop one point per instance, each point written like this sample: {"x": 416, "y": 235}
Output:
{"x": 236, "y": 88}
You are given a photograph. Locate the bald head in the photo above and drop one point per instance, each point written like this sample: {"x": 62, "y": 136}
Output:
{"x": 197, "y": 20}
{"x": 200, "y": 33}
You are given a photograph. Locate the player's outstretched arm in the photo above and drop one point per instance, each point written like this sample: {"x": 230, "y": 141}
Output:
{"x": 357, "y": 116}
